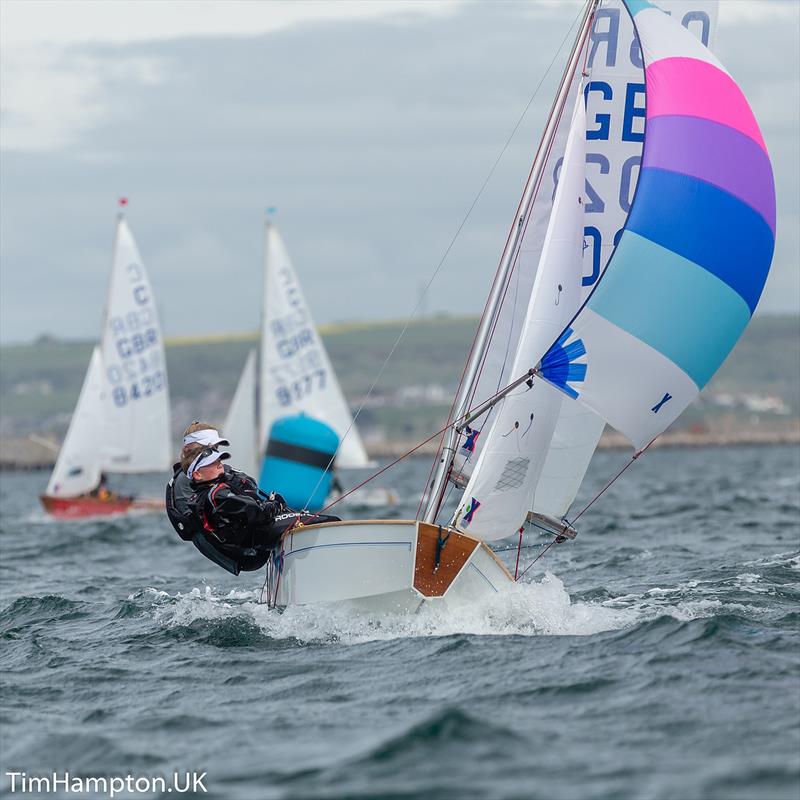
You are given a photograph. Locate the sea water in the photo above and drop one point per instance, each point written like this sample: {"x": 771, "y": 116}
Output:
{"x": 657, "y": 656}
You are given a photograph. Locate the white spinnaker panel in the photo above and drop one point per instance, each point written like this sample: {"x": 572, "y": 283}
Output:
{"x": 296, "y": 373}
{"x": 77, "y": 469}
{"x": 136, "y": 408}
{"x": 501, "y": 488}
{"x": 615, "y": 103}
{"x": 240, "y": 424}
{"x": 621, "y": 393}
{"x": 497, "y": 369}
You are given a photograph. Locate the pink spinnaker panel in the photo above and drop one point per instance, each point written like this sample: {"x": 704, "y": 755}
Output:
{"x": 689, "y": 87}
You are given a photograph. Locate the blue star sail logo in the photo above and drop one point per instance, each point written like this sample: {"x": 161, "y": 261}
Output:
{"x": 559, "y": 367}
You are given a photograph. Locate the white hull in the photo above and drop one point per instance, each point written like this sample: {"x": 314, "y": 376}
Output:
{"x": 382, "y": 565}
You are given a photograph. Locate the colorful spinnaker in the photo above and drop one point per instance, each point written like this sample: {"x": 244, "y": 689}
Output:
{"x": 695, "y": 251}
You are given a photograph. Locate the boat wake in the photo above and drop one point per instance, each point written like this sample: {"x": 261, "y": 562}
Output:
{"x": 529, "y": 609}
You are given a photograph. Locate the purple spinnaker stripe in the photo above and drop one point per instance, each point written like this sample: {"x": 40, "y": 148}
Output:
{"x": 714, "y": 153}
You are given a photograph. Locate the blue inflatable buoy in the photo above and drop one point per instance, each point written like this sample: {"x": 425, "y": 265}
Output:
{"x": 299, "y": 449}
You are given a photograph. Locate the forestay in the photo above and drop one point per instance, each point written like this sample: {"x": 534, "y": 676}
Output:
{"x": 506, "y": 330}
{"x": 695, "y": 250}
{"x": 77, "y": 469}
{"x": 498, "y": 495}
{"x": 296, "y": 373}
{"x": 240, "y": 424}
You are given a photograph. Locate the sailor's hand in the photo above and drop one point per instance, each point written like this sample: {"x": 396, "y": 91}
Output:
{"x": 276, "y": 498}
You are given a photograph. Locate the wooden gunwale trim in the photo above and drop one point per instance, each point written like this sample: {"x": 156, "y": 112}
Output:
{"x": 318, "y": 525}
{"x": 499, "y": 562}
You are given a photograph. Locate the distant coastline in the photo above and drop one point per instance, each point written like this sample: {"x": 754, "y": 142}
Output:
{"x": 26, "y": 454}
{"x": 753, "y": 399}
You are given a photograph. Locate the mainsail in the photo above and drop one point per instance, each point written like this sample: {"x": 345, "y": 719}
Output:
{"x": 77, "y": 469}
{"x": 136, "y": 420}
{"x": 497, "y": 364}
{"x": 694, "y": 255}
{"x": 492, "y": 356}
{"x": 240, "y": 424}
{"x": 296, "y": 373}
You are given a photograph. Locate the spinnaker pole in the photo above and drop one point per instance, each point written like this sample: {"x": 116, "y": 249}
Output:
{"x": 497, "y": 293}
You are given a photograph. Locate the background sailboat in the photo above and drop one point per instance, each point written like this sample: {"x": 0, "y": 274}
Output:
{"x": 298, "y": 389}
{"x": 122, "y": 420}
{"x": 685, "y": 273}
{"x": 240, "y": 424}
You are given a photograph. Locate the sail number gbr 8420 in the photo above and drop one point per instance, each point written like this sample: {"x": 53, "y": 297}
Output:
{"x": 132, "y": 349}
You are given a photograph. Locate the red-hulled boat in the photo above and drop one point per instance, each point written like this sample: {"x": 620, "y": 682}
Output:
{"x": 121, "y": 421}
{"x": 87, "y": 506}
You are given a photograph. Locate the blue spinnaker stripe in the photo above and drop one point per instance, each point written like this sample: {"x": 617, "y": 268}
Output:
{"x": 671, "y": 304}
{"x": 705, "y": 225}
{"x": 635, "y": 6}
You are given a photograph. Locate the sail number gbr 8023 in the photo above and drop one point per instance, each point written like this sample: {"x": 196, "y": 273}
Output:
{"x": 133, "y": 349}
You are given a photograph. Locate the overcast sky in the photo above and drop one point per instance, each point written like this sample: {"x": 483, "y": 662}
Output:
{"x": 369, "y": 125}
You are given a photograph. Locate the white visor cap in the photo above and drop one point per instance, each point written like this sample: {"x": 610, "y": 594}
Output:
{"x": 208, "y": 437}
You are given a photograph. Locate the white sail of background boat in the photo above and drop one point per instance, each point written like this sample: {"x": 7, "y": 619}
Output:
{"x": 296, "y": 373}
{"x": 122, "y": 420}
{"x": 240, "y": 424}
{"x": 294, "y": 377}
{"x": 78, "y": 467}
{"x": 684, "y": 274}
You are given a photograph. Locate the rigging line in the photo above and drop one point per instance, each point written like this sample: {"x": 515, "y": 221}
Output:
{"x": 266, "y": 580}
{"x": 383, "y": 469}
{"x": 546, "y": 548}
{"x": 447, "y": 496}
{"x": 517, "y": 255}
{"x": 528, "y": 217}
{"x": 447, "y": 251}
{"x": 519, "y": 550}
{"x": 589, "y": 504}
{"x": 515, "y": 547}
{"x": 602, "y": 491}
{"x": 510, "y": 234}
{"x": 407, "y": 453}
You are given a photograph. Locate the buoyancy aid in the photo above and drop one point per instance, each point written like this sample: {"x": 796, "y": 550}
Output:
{"x": 184, "y": 510}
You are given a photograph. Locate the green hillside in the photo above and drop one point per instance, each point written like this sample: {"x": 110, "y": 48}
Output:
{"x": 39, "y": 382}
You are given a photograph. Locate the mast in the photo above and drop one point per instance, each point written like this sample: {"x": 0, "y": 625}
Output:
{"x": 472, "y": 371}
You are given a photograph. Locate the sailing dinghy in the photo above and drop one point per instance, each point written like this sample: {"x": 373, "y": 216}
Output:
{"x": 302, "y": 421}
{"x": 121, "y": 423}
{"x": 630, "y": 342}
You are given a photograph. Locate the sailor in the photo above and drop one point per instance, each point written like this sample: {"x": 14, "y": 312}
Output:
{"x": 221, "y": 510}
{"x": 102, "y": 492}
{"x": 229, "y": 503}
{"x": 197, "y": 433}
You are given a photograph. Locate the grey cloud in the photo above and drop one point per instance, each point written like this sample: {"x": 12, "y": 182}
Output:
{"x": 371, "y": 138}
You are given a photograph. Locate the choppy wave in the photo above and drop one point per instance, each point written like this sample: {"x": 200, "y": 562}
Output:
{"x": 656, "y": 657}
{"x": 526, "y": 609}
